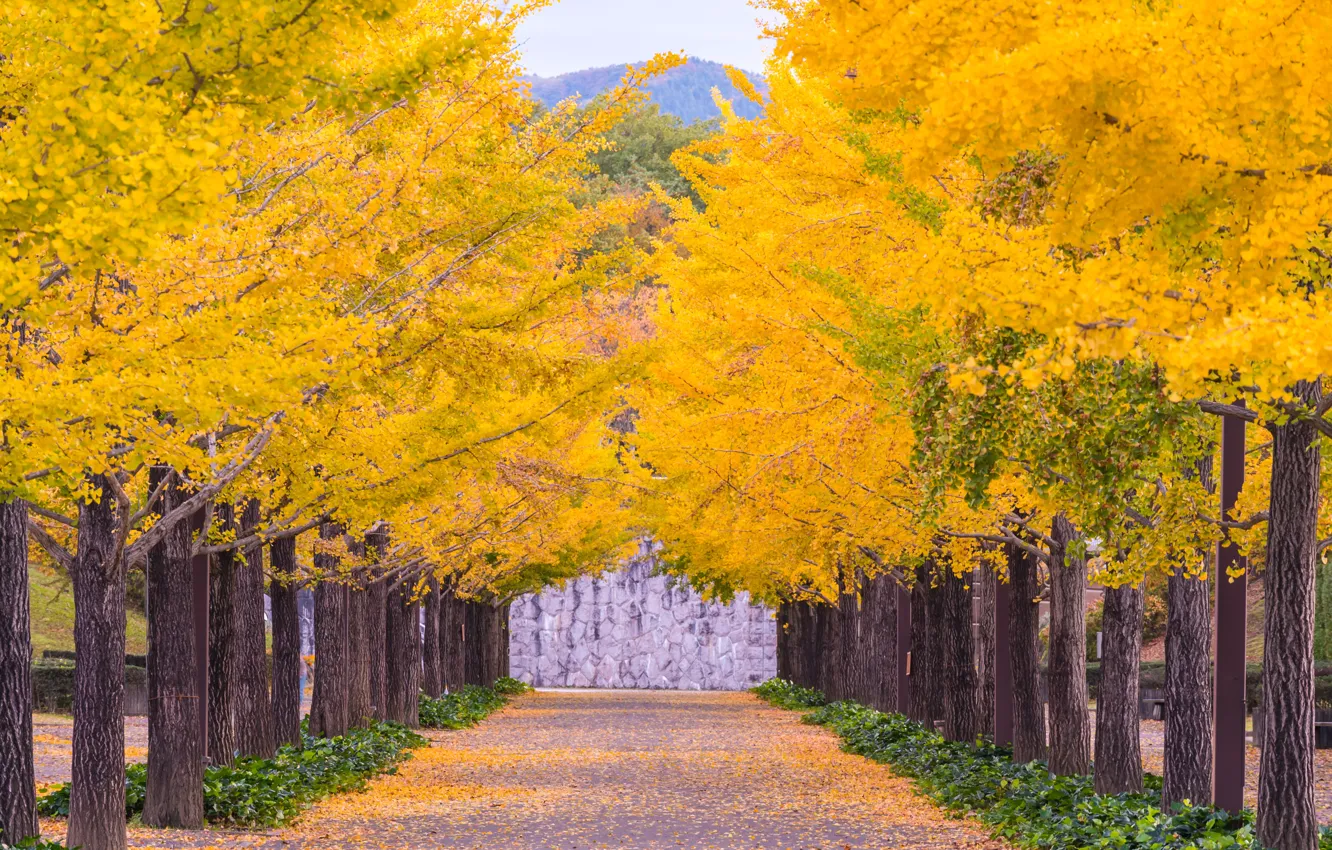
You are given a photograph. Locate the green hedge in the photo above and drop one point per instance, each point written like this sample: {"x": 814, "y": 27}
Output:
{"x": 270, "y": 792}
{"x": 1021, "y": 803}
{"x": 53, "y": 685}
{"x": 1152, "y": 675}
{"x": 468, "y": 706}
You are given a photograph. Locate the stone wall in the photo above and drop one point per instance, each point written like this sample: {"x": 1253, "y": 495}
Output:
{"x": 633, "y": 629}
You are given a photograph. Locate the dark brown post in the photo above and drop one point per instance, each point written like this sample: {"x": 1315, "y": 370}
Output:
{"x": 199, "y": 570}
{"x": 1003, "y": 667}
{"x": 903, "y": 647}
{"x": 1229, "y": 705}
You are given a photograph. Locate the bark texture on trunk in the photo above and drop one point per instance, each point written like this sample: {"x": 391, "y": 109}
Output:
{"x": 18, "y": 800}
{"x": 222, "y": 649}
{"x": 1188, "y": 693}
{"x": 253, "y": 717}
{"x": 959, "y": 672}
{"x": 432, "y": 682}
{"x": 175, "y": 749}
{"x": 97, "y": 795}
{"x": 376, "y": 543}
{"x": 923, "y": 663}
{"x": 360, "y": 711}
{"x": 286, "y": 644}
{"x": 805, "y": 651}
{"x": 853, "y": 642}
{"x": 986, "y": 585}
{"x": 328, "y": 707}
{"x": 1024, "y": 619}
{"x": 404, "y": 660}
{"x": 1118, "y": 751}
{"x": 830, "y": 651}
{"x": 784, "y": 641}
{"x": 882, "y": 622}
{"x": 491, "y": 643}
{"x": 1287, "y": 819}
{"x": 1070, "y": 719}
{"x": 452, "y": 660}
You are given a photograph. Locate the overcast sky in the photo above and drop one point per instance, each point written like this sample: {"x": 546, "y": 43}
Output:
{"x": 577, "y": 34}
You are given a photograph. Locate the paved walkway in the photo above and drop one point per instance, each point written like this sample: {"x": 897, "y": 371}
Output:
{"x": 623, "y": 769}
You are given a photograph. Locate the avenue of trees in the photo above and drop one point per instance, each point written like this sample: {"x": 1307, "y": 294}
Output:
{"x": 311, "y": 292}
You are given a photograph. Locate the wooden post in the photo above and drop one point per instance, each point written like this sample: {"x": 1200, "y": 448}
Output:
{"x": 1229, "y": 701}
{"x": 199, "y": 590}
{"x": 1003, "y": 666}
{"x": 903, "y": 648}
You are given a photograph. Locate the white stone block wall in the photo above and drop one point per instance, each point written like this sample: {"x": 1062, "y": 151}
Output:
{"x": 633, "y": 629}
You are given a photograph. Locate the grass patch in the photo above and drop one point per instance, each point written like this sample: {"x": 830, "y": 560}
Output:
{"x": 52, "y": 602}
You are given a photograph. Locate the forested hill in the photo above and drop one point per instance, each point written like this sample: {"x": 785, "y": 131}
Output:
{"x": 685, "y": 92}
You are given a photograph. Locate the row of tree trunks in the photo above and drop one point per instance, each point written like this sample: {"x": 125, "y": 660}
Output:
{"x": 286, "y": 644}
{"x": 926, "y": 704}
{"x": 18, "y": 801}
{"x": 174, "y": 796}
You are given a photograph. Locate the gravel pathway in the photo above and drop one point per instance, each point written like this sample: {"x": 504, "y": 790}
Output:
{"x": 622, "y": 769}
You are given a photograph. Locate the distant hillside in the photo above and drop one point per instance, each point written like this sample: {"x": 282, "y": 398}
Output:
{"x": 685, "y": 92}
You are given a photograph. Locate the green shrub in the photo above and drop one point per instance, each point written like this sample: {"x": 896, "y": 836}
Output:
{"x": 33, "y": 844}
{"x": 270, "y": 792}
{"x": 785, "y": 694}
{"x": 510, "y": 687}
{"x": 1022, "y": 803}
{"x": 468, "y": 706}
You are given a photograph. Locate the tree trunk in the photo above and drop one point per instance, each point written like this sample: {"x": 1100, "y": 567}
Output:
{"x": 490, "y": 644}
{"x": 985, "y": 582}
{"x": 222, "y": 650}
{"x": 805, "y": 649}
{"x": 504, "y": 652}
{"x": 360, "y": 711}
{"x": 253, "y": 717}
{"x": 883, "y": 624}
{"x": 175, "y": 747}
{"x": 18, "y": 802}
{"x": 957, "y": 661}
{"x": 1188, "y": 693}
{"x": 1287, "y": 819}
{"x": 451, "y": 662}
{"x": 784, "y": 641}
{"x": 852, "y": 642}
{"x": 1070, "y": 720}
{"x": 1118, "y": 754}
{"x": 404, "y": 660}
{"x": 1024, "y": 616}
{"x": 97, "y": 796}
{"x": 286, "y": 644}
{"x": 328, "y": 708}
{"x": 472, "y": 643}
{"x": 924, "y": 665}
{"x": 432, "y": 682}
{"x": 829, "y": 670}
{"x": 376, "y": 543}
